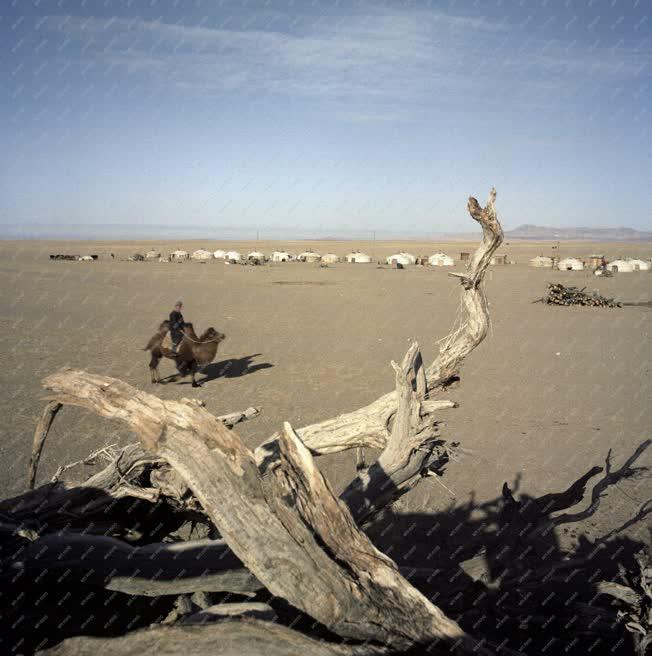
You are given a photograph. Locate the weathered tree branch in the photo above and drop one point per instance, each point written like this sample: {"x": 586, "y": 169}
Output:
{"x": 410, "y": 449}
{"x": 40, "y": 435}
{"x": 152, "y": 570}
{"x": 370, "y": 426}
{"x": 52, "y": 408}
{"x": 290, "y": 531}
{"x": 228, "y": 638}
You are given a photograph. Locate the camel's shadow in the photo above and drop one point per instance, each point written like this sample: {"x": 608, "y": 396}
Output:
{"x": 233, "y": 368}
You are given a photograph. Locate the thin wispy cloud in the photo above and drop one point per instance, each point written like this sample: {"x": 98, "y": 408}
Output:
{"x": 377, "y": 57}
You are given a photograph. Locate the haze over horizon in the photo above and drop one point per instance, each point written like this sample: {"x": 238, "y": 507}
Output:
{"x": 324, "y": 118}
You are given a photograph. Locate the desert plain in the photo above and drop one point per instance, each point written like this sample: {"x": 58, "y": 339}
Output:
{"x": 546, "y": 396}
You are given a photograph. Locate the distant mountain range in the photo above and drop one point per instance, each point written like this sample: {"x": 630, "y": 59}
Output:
{"x": 585, "y": 234}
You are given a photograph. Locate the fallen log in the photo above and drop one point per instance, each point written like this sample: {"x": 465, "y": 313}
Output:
{"x": 228, "y": 638}
{"x": 290, "y": 531}
{"x": 150, "y": 570}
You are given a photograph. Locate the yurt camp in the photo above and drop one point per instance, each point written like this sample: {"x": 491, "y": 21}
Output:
{"x": 219, "y": 254}
{"x": 402, "y": 258}
{"x": 152, "y": 255}
{"x": 358, "y": 258}
{"x": 570, "y": 264}
{"x": 281, "y": 256}
{"x": 309, "y": 256}
{"x": 233, "y": 256}
{"x": 179, "y": 255}
{"x": 440, "y": 259}
{"x": 541, "y": 262}
{"x": 202, "y": 254}
{"x": 330, "y": 258}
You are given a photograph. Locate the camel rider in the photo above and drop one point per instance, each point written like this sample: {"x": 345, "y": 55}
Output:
{"x": 176, "y": 325}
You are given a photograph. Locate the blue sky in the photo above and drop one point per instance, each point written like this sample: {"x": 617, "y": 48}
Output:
{"x": 330, "y": 116}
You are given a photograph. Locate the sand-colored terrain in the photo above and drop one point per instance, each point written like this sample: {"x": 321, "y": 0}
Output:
{"x": 548, "y": 393}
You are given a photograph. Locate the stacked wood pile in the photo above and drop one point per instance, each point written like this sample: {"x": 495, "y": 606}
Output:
{"x": 190, "y": 542}
{"x": 559, "y": 294}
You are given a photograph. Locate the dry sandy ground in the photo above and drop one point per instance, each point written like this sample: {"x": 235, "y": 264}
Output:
{"x": 548, "y": 393}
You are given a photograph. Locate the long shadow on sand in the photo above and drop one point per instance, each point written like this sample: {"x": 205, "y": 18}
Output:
{"x": 481, "y": 563}
{"x": 233, "y": 368}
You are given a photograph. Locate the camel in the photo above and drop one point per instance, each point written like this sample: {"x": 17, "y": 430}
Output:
{"x": 192, "y": 353}
{"x": 195, "y": 352}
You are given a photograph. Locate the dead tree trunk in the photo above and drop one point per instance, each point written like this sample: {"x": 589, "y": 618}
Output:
{"x": 370, "y": 426}
{"x": 274, "y": 509}
{"x": 291, "y": 532}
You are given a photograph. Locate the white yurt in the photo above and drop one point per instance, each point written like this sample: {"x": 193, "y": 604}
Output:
{"x": 233, "y": 256}
{"x": 570, "y": 264}
{"x": 441, "y": 259}
{"x": 256, "y": 255}
{"x": 621, "y": 266}
{"x": 152, "y": 255}
{"x": 179, "y": 255}
{"x": 219, "y": 254}
{"x": 202, "y": 254}
{"x": 358, "y": 258}
{"x": 541, "y": 262}
{"x": 281, "y": 256}
{"x": 400, "y": 258}
{"x": 330, "y": 258}
{"x": 309, "y": 256}
{"x": 86, "y": 258}
{"x": 640, "y": 265}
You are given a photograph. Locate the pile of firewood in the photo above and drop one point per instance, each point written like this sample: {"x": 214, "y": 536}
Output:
{"x": 559, "y": 294}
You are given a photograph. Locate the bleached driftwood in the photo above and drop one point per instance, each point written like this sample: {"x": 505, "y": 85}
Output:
{"x": 151, "y": 570}
{"x": 228, "y": 638}
{"x": 289, "y": 529}
{"x": 40, "y": 435}
{"x": 411, "y": 446}
{"x": 370, "y": 426}
{"x": 52, "y": 408}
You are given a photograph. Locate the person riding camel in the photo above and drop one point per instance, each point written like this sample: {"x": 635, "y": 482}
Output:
{"x": 176, "y": 325}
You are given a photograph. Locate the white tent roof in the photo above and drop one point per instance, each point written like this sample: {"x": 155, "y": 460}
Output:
{"x": 622, "y": 266}
{"x": 441, "y": 259}
{"x": 401, "y": 258}
{"x": 202, "y": 254}
{"x": 219, "y": 254}
{"x": 280, "y": 256}
{"x": 179, "y": 253}
{"x": 233, "y": 255}
{"x": 330, "y": 257}
{"x": 570, "y": 263}
{"x": 361, "y": 258}
{"x": 256, "y": 255}
{"x": 640, "y": 264}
